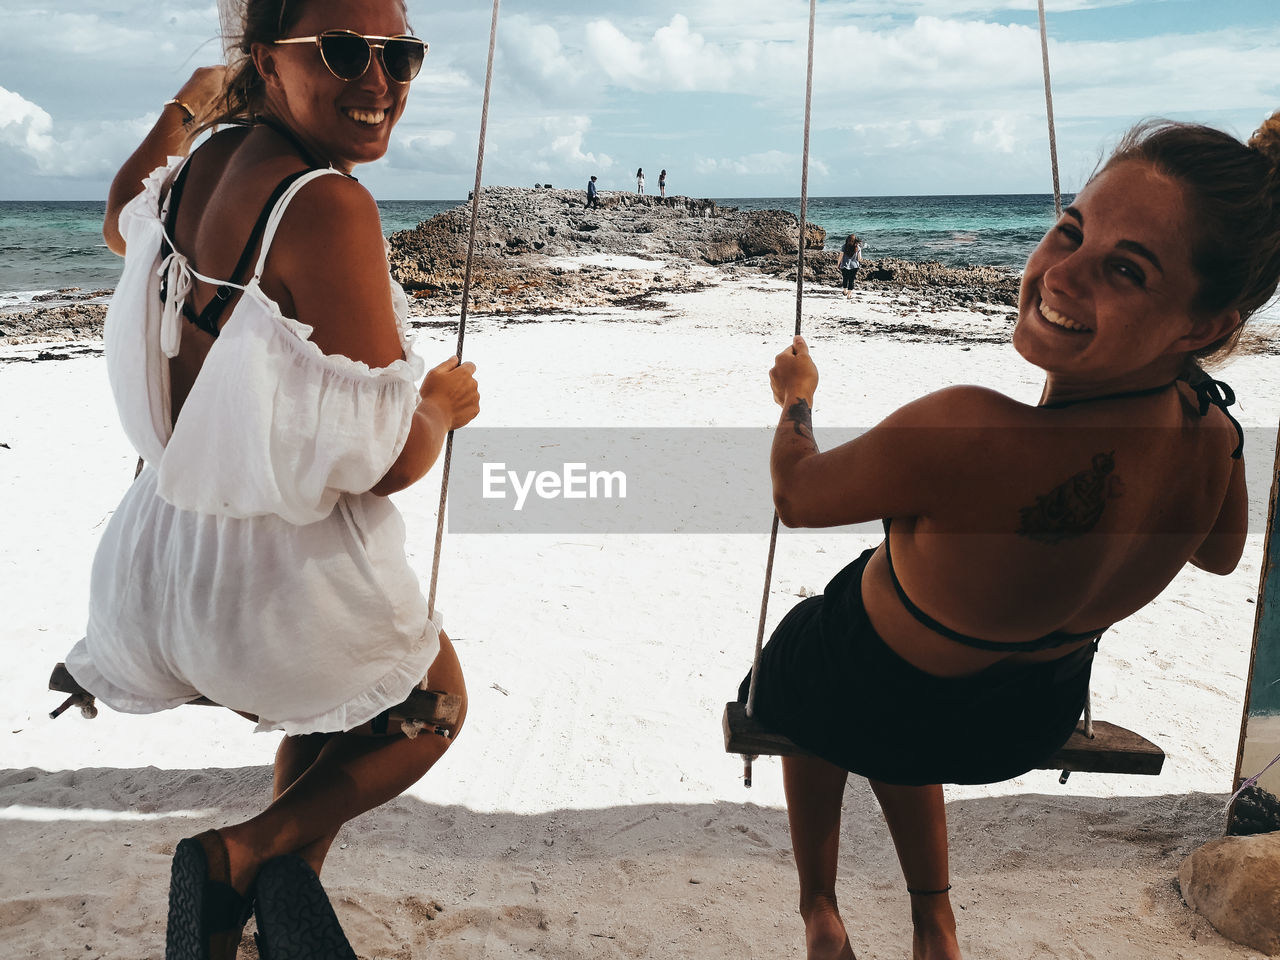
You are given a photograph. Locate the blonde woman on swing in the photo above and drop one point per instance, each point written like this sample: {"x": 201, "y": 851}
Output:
{"x": 256, "y": 348}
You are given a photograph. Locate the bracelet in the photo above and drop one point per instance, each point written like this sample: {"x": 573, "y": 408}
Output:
{"x": 190, "y": 114}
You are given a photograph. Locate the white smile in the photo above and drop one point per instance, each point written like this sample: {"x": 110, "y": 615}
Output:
{"x": 368, "y": 117}
{"x": 1060, "y": 319}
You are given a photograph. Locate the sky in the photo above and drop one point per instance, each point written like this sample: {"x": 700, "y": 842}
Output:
{"x": 910, "y": 97}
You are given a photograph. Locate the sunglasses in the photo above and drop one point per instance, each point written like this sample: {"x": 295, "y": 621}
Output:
{"x": 348, "y": 55}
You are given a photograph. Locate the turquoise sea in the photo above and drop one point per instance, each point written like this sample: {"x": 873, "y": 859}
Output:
{"x": 48, "y": 245}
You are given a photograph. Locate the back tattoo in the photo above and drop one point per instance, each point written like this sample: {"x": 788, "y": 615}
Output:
{"x": 1074, "y": 507}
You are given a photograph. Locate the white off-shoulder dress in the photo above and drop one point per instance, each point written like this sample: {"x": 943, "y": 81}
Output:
{"x": 248, "y": 563}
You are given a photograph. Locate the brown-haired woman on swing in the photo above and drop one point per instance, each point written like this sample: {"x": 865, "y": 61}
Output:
{"x": 959, "y": 649}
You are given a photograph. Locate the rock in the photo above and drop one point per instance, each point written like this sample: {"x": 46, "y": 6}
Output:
{"x": 1235, "y": 884}
{"x": 1255, "y": 811}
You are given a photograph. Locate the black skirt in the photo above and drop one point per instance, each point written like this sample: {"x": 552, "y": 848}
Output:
{"x": 833, "y": 686}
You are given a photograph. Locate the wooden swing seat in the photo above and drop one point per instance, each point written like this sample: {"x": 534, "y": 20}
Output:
{"x": 1112, "y": 749}
{"x": 434, "y": 709}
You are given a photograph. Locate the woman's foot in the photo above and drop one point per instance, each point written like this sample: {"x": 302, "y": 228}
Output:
{"x": 934, "y": 936}
{"x": 295, "y": 919}
{"x": 243, "y": 859}
{"x": 206, "y": 915}
{"x": 825, "y": 937}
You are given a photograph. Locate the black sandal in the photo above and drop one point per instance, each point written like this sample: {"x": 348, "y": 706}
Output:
{"x": 295, "y": 919}
{"x": 206, "y": 915}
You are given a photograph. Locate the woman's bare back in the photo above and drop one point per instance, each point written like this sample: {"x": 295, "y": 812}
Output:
{"x": 1112, "y": 498}
{"x": 229, "y": 182}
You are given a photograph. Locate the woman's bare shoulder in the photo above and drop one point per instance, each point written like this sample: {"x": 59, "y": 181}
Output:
{"x": 330, "y": 256}
{"x": 332, "y": 223}
{"x": 964, "y": 405}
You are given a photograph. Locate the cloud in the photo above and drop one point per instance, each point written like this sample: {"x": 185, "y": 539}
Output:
{"x": 429, "y": 151}
{"x": 769, "y": 162}
{"x": 956, "y": 8}
{"x": 535, "y": 62}
{"x": 103, "y": 35}
{"x": 621, "y": 59}
{"x": 85, "y": 151}
{"x": 997, "y": 135}
{"x": 909, "y": 95}
{"x": 25, "y": 126}
{"x": 674, "y": 57}
{"x": 550, "y": 147}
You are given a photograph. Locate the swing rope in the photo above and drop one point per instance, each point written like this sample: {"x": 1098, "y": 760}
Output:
{"x": 773, "y": 534}
{"x": 1087, "y": 718}
{"x": 1048, "y": 106}
{"x": 466, "y": 297}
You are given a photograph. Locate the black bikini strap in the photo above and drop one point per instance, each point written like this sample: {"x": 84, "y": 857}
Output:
{"x": 1211, "y": 392}
{"x": 172, "y": 216}
{"x": 175, "y": 196}
{"x": 1057, "y": 639}
{"x": 207, "y": 319}
{"x": 1111, "y": 396}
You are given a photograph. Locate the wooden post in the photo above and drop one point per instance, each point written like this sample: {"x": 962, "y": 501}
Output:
{"x": 1260, "y": 724}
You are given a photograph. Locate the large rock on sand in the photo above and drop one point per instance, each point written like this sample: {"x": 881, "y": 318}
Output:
{"x": 1235, "y": 884}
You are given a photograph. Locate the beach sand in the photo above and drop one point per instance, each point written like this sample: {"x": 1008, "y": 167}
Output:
{"x": 588, "y": 809}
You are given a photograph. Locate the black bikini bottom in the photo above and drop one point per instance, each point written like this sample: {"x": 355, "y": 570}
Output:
{"x": 832, "y": 685}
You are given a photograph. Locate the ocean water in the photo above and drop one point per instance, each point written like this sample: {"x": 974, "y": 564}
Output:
{"x": 49, "y": 245}
{"x": 997, "y": 230}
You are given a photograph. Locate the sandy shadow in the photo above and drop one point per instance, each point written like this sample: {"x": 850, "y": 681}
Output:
{"x": 1035, "y": 875}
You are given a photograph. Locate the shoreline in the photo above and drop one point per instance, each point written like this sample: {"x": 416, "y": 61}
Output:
{"x": 917, "y": 302}
{"x": 578, "y": 285}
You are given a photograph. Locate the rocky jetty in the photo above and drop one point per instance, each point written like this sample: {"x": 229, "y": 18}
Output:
{"x": 521, "y": 233}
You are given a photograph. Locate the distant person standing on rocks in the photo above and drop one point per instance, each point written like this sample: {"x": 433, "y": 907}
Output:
{"x": 640, "y": 181}
{"x": 662, "y": 184}
{"x": 593, "y": 195}
{"x": 850, "y": 262}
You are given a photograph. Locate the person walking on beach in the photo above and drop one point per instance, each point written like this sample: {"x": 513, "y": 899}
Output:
{"x": 662, "y": 184}
{"x": 265, "y": 378}
{"x": 959, "y": 649}
{"x": 640, "y": 181}
{"x": 593, "y": 195}
{"x": 850, "y": 259}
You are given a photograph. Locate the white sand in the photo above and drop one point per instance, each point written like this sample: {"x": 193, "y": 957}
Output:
{"x": 588, "y": 809}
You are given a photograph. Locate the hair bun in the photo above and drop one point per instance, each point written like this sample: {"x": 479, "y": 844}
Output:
{"x": 1266, "y": 140}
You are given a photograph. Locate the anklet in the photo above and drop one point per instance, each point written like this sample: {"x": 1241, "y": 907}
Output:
{"x": 928, "y": 893}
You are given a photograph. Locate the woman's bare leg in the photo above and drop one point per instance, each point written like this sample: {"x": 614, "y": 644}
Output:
{"x": 349, "y": 774}
{"x": 294, "y": 757}
{"x": 917, "y": 819}
{"x": 815, "y": 791}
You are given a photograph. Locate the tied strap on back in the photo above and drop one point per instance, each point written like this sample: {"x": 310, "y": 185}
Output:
{"x": 175, "y": 285}
{"x": 1215, "y": 393}
{"x": 175, "y": 270}
{"x": 176, "y": 273}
